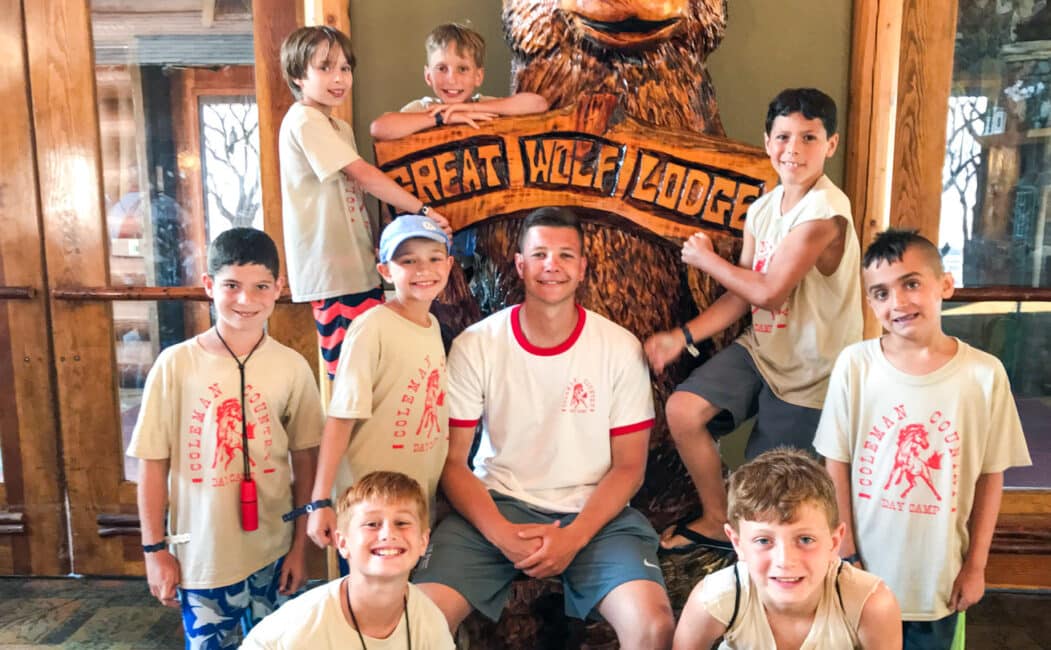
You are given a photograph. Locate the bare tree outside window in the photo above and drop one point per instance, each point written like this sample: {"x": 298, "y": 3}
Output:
{"x": 230, "y": 163}
{"x": 963, "y": 159}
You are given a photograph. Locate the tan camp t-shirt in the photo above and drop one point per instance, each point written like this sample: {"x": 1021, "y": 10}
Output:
{"x": 795, "y": 346}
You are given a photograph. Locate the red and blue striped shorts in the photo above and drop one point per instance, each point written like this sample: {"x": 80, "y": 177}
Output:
{"x": 334, "y": 315}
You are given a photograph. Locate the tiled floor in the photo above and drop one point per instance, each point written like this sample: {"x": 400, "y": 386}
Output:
{"x": 121, "y": 615}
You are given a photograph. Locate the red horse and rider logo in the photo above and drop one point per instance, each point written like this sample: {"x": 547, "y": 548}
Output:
{"x": 909, "y": 464}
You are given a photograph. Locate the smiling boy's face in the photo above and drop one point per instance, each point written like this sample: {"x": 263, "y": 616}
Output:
{"x": 787, "y": 561}
{"x": 906, "y": 296}
{"x": 452, "y": 74}
{"x": 384, "y": 539}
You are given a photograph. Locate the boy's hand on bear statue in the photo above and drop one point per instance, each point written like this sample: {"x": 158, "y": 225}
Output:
{"x": 320, "y": 525}
{"x": 664, "y": 347}
{"x": 462, "y": 113}
{"x": 696, "y": 249}
{"x": 164, "y": 576}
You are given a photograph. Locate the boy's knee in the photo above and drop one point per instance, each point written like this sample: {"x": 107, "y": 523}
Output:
{"x": 654, "y": 627}
{"x": 688, "y": 414}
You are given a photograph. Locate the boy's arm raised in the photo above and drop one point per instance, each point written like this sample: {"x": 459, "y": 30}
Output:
{"x": 880, "y": 624}
{"x": 697, "y": 629}
{"x": 469, "y": 497}
{"x": 162, "y": 569}
{"x": 334, "y": 440}
{"x": 383, "y": 188}
{"x": 294, "y": 568}
{"x": 664, "y": 347}
{"x": 796, "y": 255}
{"x": 969, "y": 586}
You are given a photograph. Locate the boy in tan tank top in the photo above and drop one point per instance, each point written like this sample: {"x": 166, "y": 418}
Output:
{"x": 789, "y": 588}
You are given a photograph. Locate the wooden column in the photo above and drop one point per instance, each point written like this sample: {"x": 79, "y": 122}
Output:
{"x": 928, "y": 33}
{"x": 28, "y": 429}
{"x": 272, "y": 20}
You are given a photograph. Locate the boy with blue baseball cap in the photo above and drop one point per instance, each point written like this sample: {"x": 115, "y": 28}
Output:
{"x": 388, "y": 410}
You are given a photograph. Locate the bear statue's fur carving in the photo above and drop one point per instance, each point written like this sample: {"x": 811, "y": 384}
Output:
{"x": 651, "y": 54}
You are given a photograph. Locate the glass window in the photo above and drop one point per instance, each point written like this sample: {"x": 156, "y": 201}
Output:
{"x": 997, "y": 177}
{"x": 180, "y": 155}
{"x": 996, "y": 191}
{"x": 1019, "y": 334}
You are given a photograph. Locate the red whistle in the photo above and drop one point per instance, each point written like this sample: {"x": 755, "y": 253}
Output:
{"x": 249, "y": 505}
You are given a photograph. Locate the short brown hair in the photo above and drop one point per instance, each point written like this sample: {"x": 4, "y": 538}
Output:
{"x": 552, "y": 217}
{"x": 773, "y": 486}
{"x": 299, "y": 48}
{"x": 383, "y": 486}
{"x": 467, "y": 41}
{"x": 890, "y": 245}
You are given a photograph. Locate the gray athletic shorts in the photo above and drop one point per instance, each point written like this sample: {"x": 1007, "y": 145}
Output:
{"x": 625, "y": 549}
{"x": 730, "y": 381}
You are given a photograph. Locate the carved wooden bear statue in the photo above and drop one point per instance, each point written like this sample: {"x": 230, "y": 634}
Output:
{"x": 651, "y": 54}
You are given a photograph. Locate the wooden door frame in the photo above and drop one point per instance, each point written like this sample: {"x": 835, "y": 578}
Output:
{"x": 62, "y": 117}
{"x": 901, "y": 75}
{"x": 32, "y": 518}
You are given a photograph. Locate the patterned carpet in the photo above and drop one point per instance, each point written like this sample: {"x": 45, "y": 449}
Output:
{"x": 85, "y": 614}
{"x": 120, "y": 615}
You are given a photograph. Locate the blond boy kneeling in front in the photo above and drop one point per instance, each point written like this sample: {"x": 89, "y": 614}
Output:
{"x": 381, "y": 532}
{"x": 789, "y": 588}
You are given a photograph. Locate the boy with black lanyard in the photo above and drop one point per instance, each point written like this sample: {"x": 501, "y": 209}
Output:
{"x": 230, "y": 557}
{"x": 381, "y": 532}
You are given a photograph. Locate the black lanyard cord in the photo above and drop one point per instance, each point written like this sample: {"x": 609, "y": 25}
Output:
{"x": 244, "y": 414}
{"x": 357, "y": 628}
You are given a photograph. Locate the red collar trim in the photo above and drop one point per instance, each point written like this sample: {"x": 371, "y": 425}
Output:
{"x": 516, "y": 327}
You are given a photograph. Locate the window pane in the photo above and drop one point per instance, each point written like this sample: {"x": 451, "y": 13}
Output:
{"x": 1019, "y": 334}
{"x": 997, "y": 177}
{"x": 180, "y": 156}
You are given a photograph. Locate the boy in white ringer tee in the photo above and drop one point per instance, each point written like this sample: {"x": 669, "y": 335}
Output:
{"x": 566, "y": 405}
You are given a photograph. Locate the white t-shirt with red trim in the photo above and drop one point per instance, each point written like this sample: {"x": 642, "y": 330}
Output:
{"x": 548, "y": 414}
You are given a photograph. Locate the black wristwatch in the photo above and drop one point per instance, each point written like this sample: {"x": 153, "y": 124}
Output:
{"x": 425, "y": 210}
{"x": 153, "y": 548}
{"x": 439, "y": 119}
{"x": 691, "y": 346}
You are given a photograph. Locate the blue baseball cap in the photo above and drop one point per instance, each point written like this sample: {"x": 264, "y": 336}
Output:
{"x": 409, "y": 226}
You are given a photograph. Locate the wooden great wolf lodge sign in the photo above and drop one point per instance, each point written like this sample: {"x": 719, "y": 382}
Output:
{"x": 587, "y": 155}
